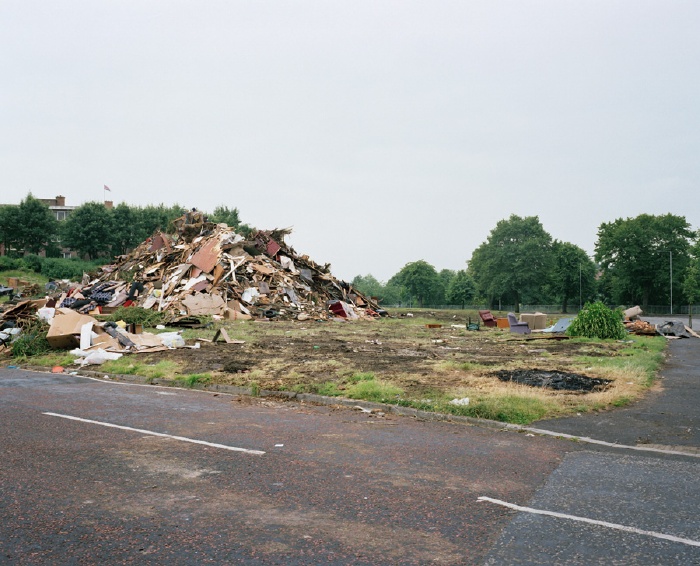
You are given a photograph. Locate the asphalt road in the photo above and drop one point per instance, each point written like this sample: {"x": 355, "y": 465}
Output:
{"x": 286, "y": 483}
{"x": 332, "y": 487}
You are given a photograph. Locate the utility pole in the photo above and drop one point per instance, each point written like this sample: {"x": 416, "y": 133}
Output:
{"x": 580, "y": 288}
{"x": 670, "y": 269}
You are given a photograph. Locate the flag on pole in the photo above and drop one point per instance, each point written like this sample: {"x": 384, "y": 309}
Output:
{"x": 108, "y": 189}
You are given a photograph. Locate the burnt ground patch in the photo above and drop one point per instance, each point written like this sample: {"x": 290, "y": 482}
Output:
{"x": 558, "y": 380}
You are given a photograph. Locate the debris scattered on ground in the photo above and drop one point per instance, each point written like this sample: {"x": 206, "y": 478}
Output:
{"x": 464, "y": 401}
{"x": 558, "y": 380}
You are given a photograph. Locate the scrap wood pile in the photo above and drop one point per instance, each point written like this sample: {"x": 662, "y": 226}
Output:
{"x": 641, "y": 328}
{"x": 216, "y": 271}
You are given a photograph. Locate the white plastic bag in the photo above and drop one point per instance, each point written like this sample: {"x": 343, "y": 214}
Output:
{"x": 172, "y": 339}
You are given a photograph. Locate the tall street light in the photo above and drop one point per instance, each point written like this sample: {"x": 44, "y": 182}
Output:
{"x": 670, "y": 269}
{"x": 580, "y": 288}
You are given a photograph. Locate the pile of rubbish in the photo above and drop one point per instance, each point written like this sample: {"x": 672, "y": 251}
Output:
{"x": 670, "y": 329}
{"x": 674, "y": 329}
{"x": 204, "y": 269}
{"x": 209, "y": 269}
{"x": 93, "y": 342}
{"x": 641, "y": 328}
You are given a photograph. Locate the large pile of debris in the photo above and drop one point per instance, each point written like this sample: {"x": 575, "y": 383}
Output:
{"x": 209, "y": 269}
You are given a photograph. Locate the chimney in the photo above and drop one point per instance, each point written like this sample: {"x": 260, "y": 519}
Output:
{"x": 109, "y": 204}
{"x": 60, "y": 201}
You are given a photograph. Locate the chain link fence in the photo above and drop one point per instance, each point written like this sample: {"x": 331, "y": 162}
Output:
{"x": 556, "y": 309}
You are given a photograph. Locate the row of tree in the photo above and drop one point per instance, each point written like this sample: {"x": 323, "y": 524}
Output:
{"x": 643, "y": 260}
{"x": 92, "y": 229}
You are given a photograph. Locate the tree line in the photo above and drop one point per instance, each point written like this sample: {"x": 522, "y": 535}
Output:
{"x": 92, "y": 229}
{"x": 644, "y": 260}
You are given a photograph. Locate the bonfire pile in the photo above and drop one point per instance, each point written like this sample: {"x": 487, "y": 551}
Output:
{"x": 209, "y": 269}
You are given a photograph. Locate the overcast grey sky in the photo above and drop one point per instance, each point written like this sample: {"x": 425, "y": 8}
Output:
{"x": 382, "y": 132}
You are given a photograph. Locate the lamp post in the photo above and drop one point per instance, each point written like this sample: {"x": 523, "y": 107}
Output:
{"x": 580, "y": 288}
{"x": 670, "y": 270}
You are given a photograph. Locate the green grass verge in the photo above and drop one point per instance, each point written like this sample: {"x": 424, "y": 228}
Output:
{"x": 127, "y": 365}
{"x": 514, "y": 409}
{"x": 51, "y": 359}
{"x": 374, "y": 390}
{"x": 644, "y": 354}
{"x": 193, "y": 379}
{"x": 25, "y": 275}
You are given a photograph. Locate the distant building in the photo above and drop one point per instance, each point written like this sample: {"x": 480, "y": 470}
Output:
{"x": 58, "y": 207}
{"x": 61, "y": 211}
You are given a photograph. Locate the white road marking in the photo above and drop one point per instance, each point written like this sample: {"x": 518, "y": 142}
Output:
{"x": 150, "y": 432}
{"x": 591, "y": 521}
{"x": 605, "y": 443}
{"x": 539, "y": 431}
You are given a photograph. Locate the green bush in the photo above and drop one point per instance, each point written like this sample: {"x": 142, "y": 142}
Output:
{"x": 32, "y": 341}
{"x": 597, "y": 321}
{"x": 137, "y": 315}
{"x": 9, "y": 263}
{"x": 33, "y": 262}
{"x": 73, "y": 269}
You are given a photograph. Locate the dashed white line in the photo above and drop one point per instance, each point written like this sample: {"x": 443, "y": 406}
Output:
{"x": 615, "y": 526}
{"x": 539, "y": 431}
{"x": 160, "y": 434}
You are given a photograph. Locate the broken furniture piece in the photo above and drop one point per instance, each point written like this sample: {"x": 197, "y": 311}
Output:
{"x": 516, "y": 326}
{"x": 559, "y": 326}
{"x": 536, "y": 321}
{"x": 487, "y": 318}
{"x": 632, "y": 313}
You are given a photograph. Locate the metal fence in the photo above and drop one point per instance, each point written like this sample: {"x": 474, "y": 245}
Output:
{"x": 556, "y": 309}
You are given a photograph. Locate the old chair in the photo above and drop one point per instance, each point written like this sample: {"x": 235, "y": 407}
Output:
{"x": 517, "y": 327}
{"x": 487, "y": 318}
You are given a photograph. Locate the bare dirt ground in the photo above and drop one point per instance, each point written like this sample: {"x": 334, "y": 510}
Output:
{"x": 288, "y": 355}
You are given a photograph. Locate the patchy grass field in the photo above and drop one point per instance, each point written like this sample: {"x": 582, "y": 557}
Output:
{"x": 402, "y": 361}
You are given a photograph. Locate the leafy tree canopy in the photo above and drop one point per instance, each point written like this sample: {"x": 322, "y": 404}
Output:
{"x": 36, "y": 225}
{"x": 691, "y": 277}
{"x": 125, "y": 233}
{"x": 157, "y": 217}
{"x": 461, "y": 289}
{"x": 638, "y": 254}
{"x": 88, "y": 229}
{"x": 514, "y": 261}
{"x": 573, "y": 273}
{"x": 9, "y": 226}
{"x": 419, "y": 280}
{"x": 368, "y": 285}
{"x": 230, "y": 216}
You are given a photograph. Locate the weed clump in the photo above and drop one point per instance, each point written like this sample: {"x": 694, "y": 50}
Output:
{"x": 194, "y": 379}
{"x": 374, "y": 390}
{"x": 32, "y": 341}
{"x": 598, "y": 321}
{"x": 137, "y": 315}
